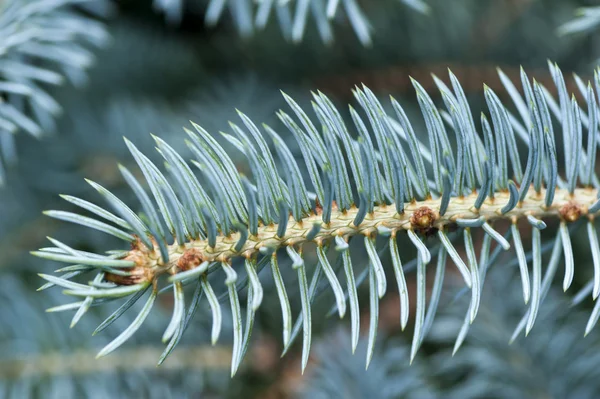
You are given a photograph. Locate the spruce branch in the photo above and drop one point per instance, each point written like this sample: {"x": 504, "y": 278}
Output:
{"x": 340, "y": 373}
{"x": 78, "y": 362}
{"x": 380, "y": 182}
{"x": 43, "y": 44}
{"x": 526, "y": 366}
{"x": 554, "y": 362}
{"x": 292, "y": 16}
{"x": 586, "y": 20}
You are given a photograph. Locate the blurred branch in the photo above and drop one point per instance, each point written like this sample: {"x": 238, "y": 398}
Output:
{"x": 83, "y": 362}
{"x": 586, "y": 21}
{"x": 45, "y": 44}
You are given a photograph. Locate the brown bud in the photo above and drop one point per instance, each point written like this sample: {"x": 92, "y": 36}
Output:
{"x": 423, "y": 218}
{"x": 191, "y": 258}
{"x": 143, "y": 271}
{"x": 570, "y": 211}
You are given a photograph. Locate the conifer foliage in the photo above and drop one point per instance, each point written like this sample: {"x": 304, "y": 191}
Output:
{"x": 44, "y": 43}
{"x": 292, "y": 16}
{"x": 363, "y": 184}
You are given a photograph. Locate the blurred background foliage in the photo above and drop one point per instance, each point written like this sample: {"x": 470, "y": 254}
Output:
{"x": 164, "y": 63}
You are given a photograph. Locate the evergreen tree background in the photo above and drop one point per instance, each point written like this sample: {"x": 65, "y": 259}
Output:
{"x": 163, "y": 66}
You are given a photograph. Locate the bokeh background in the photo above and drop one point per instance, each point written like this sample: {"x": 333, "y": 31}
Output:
{"x": 158, "y": 65}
